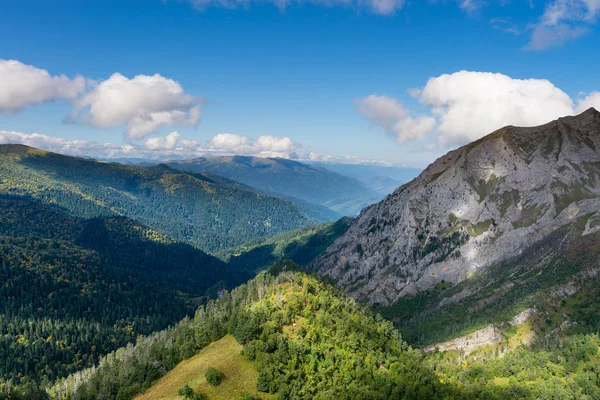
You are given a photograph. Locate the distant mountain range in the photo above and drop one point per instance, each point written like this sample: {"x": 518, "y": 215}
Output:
{"x": 380, "y": 178}
{"x": 202, "y": 209}
{"x": 291, "y": 179}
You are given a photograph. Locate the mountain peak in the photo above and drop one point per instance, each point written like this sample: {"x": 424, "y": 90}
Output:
{"x": 471, "y": 208}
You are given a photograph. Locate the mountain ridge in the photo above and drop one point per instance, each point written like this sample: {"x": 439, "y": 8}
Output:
{"x": 470, "y": 208}
{"x": 205, "y": 210}
{"x": 290, "y": 179}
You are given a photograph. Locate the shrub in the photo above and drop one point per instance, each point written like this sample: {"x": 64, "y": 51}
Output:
{"x": 213, "y": 376}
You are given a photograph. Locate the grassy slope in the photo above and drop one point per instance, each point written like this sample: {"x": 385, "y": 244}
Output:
{"x": 239, "y": 374}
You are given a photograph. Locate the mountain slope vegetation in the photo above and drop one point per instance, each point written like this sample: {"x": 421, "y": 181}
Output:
{"x": 311, "y": 183}
{"x": 307, "y": 340}
{"x": 207, "y": 211}
{"x": 76, "y": 289}
{"x": 301, "y": 246}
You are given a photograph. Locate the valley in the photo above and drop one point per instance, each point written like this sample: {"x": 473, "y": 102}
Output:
{"x": 477, "y": 279}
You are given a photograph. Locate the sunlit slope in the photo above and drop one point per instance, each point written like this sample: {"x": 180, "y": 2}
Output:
{"x": 239, "y": 376}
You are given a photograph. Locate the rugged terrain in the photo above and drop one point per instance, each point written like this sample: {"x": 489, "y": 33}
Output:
{"x": 473, "y": 208}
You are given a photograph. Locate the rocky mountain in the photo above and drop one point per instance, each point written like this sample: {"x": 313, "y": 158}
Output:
{"x": 475, "y": 207}
{"x": 291, "y": 179}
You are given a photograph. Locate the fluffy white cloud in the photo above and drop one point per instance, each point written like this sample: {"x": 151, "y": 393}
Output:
{"x": 271, "y": 146}
{"x": 471, "y": 104}
{"x": 143, "y": 103}
{"x": 393, "y": 118}
{"x": 23, "y": 85}
{"x": 468, "y": 105}
{"x": 591, "y": 100}
{"x": 382, "y": 7}
{"x": 168, "y": 143}
{"x": 562, "y": 21}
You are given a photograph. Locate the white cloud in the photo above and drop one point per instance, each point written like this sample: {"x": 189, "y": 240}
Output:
{"x": 393, "y": 118}
{"x": 468, "y": 105}
{"x": 172, "y": 146}
{"x": 562, "y": 21}
{"x": 24, "y": 85}
{"x": 143, "y": 103}
{"x": 591, "y": 100}
{"x": 268, "y": 146}
{"x": 168, "y": 143}
{"x": 381, "y": 7}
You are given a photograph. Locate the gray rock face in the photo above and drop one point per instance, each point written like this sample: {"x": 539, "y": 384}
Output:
{"x": 472, "y": 208}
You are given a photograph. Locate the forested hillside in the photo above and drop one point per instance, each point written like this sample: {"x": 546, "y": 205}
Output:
{"x": 204, "y": 210}
{"x": 311, "y": 183}
{"x": 307, "y": 340}
{"x": 73, "y": 290}
{"x": 301, "y": 246}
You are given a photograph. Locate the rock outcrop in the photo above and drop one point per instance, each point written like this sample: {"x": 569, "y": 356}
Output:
{"x": 472, "y": 208}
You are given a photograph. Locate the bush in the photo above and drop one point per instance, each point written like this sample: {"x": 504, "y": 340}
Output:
{"x": 186, "y": 391}
{"x": 189, "y": 394}
{"x": 213, "y": 376}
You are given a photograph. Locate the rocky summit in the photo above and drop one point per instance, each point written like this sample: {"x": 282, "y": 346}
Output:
{"x": 471, "y": 209}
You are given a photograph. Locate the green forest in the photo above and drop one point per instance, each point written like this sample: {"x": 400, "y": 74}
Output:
{"x": 206, "y": 211}
{"x": 75, "y": 289}
{"x": 309, "y": 340}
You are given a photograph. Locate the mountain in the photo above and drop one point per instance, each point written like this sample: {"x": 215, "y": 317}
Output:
{"x": 304, "y": 339}
{"x": 380, "y": 178}
{"x": 207, "y": 211}
{"x": 314, "y": 184}
{"x": 472, "y": 209}
{"x": 76, "y": 289}
{"x": 288, "y": 335}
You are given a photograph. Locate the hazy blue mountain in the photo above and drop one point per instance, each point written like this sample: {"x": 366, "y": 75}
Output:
{"x": 314, "y": 184}
{"x": 380, "y": 178}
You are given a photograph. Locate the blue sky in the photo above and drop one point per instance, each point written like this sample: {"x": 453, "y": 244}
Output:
{"x": 303, "y": 72}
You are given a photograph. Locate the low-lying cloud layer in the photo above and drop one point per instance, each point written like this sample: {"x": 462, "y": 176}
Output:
{"x": 465, "y": 106}
{"x": 173, "y": 146}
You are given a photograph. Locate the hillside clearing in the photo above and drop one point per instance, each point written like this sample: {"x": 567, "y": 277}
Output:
{"x": 239, "y": 374}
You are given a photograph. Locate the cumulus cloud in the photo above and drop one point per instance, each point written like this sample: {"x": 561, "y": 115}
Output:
{"x": 143, "y": 104}
{"x": 393, "y": 118}
{"x": 264, "y": 145}
{"x": 465, "y": 106}
{"x": 168, "y": 143}
{"x": 381, "y": 7}
{"x": 562, "y": 21}
{"x": 24, "y": 85}
{"x": 591, "y": 100}
{"x": 471, "y": 104}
